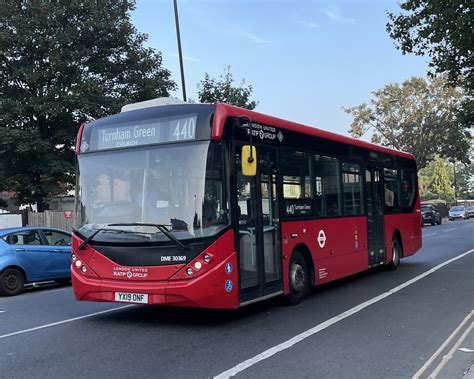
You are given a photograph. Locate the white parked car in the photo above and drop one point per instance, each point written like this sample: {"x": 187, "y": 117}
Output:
{"x": 458, "y": 212}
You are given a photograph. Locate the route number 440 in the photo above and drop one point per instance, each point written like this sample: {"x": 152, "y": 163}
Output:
{"x": 185, "y": 129}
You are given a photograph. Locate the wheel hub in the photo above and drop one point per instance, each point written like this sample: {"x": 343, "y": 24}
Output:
{"x": 297, "y": 277}
{"x": 11, "y": 282}
{"x": 395, "y": 256}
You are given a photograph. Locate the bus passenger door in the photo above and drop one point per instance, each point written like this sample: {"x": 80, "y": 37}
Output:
{"x": 258, "y": 227}
{"x": 375, "y": 218}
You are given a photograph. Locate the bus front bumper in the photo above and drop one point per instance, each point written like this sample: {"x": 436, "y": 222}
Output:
{"x": 207, "y": 291}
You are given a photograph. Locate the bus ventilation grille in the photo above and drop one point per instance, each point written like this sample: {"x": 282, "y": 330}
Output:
{"x": 417, "y": 225}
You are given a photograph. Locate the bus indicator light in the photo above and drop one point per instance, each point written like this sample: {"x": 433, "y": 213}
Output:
{"x": 228, "y": 267}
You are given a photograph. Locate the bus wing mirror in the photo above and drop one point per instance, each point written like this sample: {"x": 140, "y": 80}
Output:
{"x": 249, "y": 160}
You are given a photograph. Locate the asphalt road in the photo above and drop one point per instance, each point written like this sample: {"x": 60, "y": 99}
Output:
{"x": 399, "y": 323}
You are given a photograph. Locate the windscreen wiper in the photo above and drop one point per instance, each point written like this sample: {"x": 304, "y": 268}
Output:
{"x": 162, "y": 228}
{"x": 89, "y": 239}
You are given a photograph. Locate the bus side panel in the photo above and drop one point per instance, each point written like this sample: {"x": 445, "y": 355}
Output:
{"x": 338, "y": 246}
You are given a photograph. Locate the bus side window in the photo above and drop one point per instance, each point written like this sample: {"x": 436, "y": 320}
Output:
{"x": 391, "y": 190}
{"x": 328, "y": 197}
{"x": 352, "y": 186}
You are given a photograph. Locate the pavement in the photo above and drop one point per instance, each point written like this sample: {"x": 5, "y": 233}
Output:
{"x": 378, "y": 324}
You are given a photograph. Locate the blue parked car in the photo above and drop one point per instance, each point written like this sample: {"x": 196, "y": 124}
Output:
{"x": 33, "y": 254}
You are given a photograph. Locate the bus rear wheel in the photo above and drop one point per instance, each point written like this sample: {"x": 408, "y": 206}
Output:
{"x": 298, "y": 279}
{"x": 396, "y": 254}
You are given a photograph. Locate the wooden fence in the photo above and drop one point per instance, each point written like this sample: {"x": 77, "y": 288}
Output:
{"x": 10, "y": 220}
{"x": 60, "y": 220}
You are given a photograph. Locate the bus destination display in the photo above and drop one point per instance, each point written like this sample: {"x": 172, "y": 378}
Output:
{"x": 161, "y": 130}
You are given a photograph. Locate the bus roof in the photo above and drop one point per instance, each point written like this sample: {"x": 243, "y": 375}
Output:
{"x": 224, "y": 110}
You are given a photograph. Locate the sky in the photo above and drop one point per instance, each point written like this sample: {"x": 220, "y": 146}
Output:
{"x": 305, "y": 59}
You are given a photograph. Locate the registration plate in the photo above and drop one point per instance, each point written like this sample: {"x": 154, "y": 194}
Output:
{"x": 141, "y": 298}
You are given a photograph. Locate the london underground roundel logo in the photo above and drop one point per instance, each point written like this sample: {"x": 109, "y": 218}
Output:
{"x": 321, "y": 238}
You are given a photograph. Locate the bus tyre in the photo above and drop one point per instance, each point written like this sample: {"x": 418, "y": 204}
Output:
{"x": 396, "y": 253}
{"x": 11, "y": 282}
{"x": 298, "y": 279}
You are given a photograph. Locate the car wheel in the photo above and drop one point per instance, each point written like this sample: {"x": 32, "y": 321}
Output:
{"x": 298, "y": 279}
{"x": 396, "y": 254}
{"x": 11, "y": 282}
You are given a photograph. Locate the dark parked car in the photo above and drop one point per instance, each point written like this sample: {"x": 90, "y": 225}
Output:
{"x": 32, "y": 255}
{"x": 470, "y": 211}
{"x": 429, "y": 214}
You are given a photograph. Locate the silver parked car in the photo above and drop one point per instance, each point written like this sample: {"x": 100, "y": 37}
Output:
{"x": 458, "y": 212}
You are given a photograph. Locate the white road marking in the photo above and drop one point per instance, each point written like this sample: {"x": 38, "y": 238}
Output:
{"x": 443, "y": 346}
{"x": 448, "y": 230}
{"x": 429, "y": 235}
{"x": 326, "y": 324}
{"x": 2, "y": 311}
{"x": 64, "y": 321}
{"x": 448, "y": 356}
{"x": 39, "y": 292}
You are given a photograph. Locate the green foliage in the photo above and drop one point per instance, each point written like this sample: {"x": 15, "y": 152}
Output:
{"x": 63, "y": 63}
{"x": 419, "y": 117}
{"x": 441, "y": 184}
{"x": 442, "y": 30}
{"x": 464, "y": 179}
{"x": 435, "y": 181}
{"x": 224, "y": 90}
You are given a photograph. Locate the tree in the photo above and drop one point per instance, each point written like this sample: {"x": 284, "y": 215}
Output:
{"x": 440, "y": 29}
{"x": 441, "y": 184}
{"x": 224, "y": 90}
{"x": 63, "y": 63}
{"x": 419, "y": 117}
{"x": 464, "y": 178}
{"x": 435, "y": 181}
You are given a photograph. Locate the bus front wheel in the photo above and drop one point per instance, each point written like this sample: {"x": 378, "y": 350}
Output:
{"x": 298, "y": 279}
{"x": 396, "y": 254}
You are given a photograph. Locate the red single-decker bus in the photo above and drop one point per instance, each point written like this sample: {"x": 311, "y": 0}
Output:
{"x": 210, "y": 205}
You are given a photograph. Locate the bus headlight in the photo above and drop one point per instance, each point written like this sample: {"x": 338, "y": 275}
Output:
{"x": 189, "y": 271}
{"x": 207, "y": 258}
{"x": 84, "y": 269}
{"x": 197, "y": 265}
{"x": 78, "y": 263}
{"x": 73, "y": 257}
